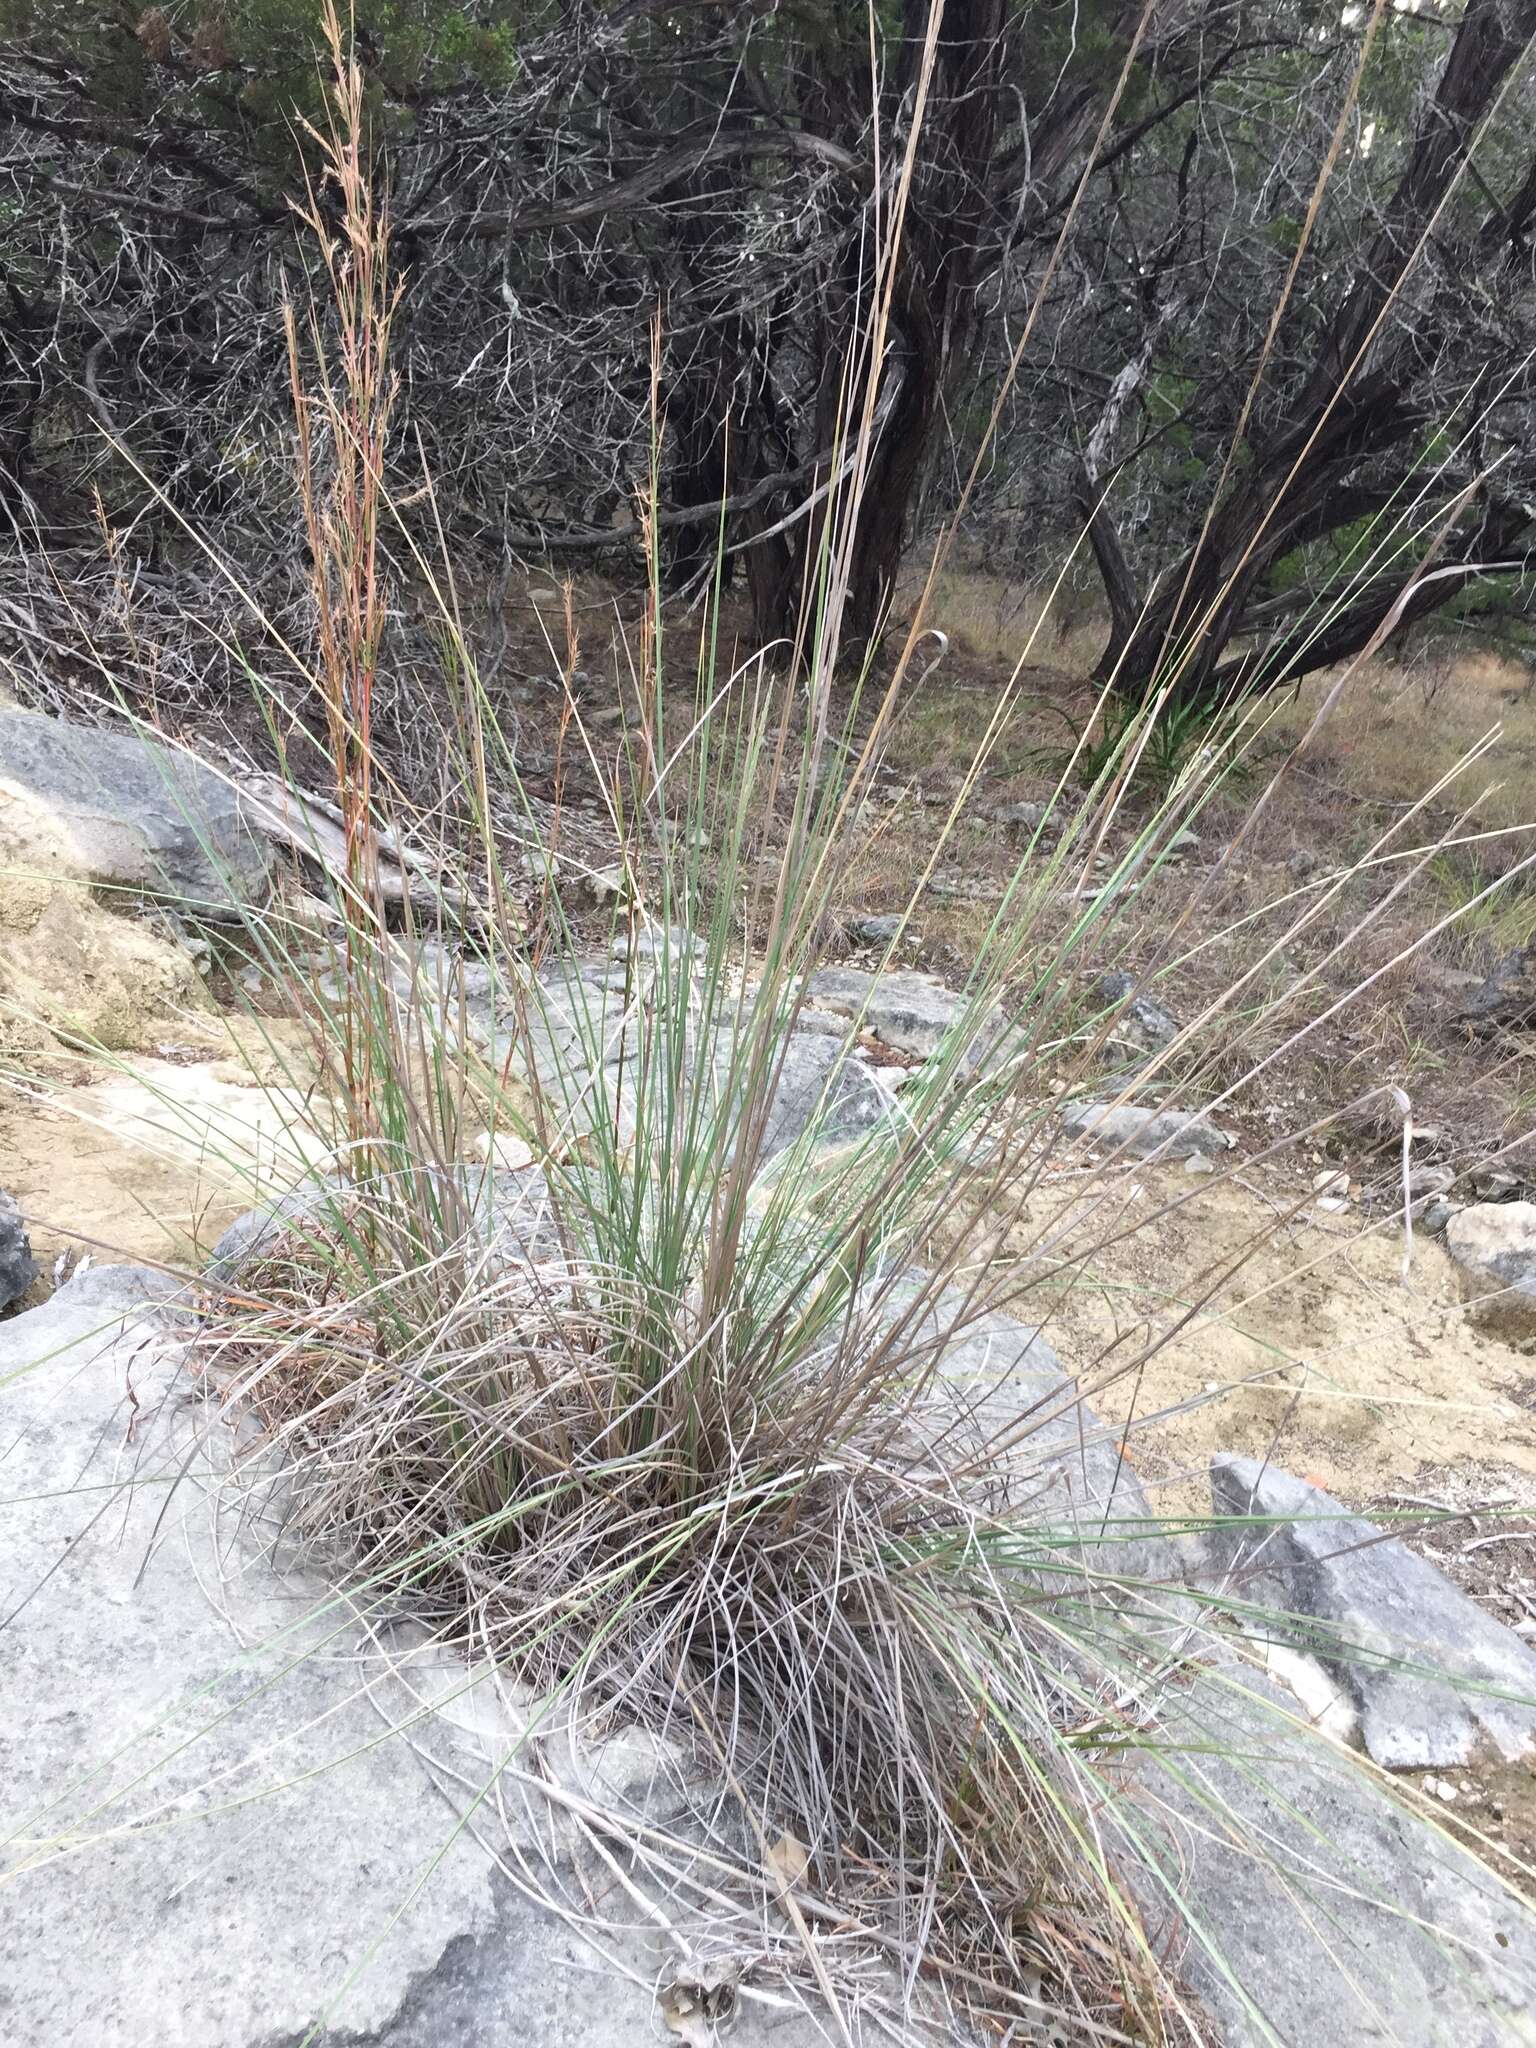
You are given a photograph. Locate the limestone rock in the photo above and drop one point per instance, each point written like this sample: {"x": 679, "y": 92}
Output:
{"x": 1506, "y": 998}
{"x": 1022, "y": 818}
{"x": 226, "y": 1819}
{"x": 1301, "y": 1902}
{"x": 1086, "y": 1487}
{"x": 18, "y": 1268}
{"x": 821, "y": 1091}
{"x": 1493, "y": 1246}
{"x": 904, "y": 1009}
{"x": 507, "y": 1210}
{"x": 672, "y": 948}
{"x": 1426, "y": 1185}
{"x": 125, "y": 816}
{"x": 1141, "y": 1019}
{"x": 129, "y": 1698}
{"x": 1434, "y": 1678}
{"x": 607, "y": 887}
{"x": 881, "y": 930}
{"x": 1128, "y": 1127}
{"x": 256, "y": 1233}
{"x": 580, "y": 1035}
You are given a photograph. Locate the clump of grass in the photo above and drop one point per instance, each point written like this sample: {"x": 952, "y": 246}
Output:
{"x": 1496, "y": 914}
{"x": 668, "y": 1421}
{"x": 671, "y": 1419}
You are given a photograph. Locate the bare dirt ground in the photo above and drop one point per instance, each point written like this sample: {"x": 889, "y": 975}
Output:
{"x": 148, "y": 1156}
{"x": 1323, "y": 1355}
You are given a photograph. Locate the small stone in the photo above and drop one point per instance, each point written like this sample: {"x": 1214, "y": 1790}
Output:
{"x": 1021, "y": 817}
{"x": 1493, "y": 1245}
{"x": 1425, "y": 1185}
{"x": 502, "y": 1150}
{"x": 673, "y": 944}
{"x": 606, "y": 886}
{"x": 876, "y": 931}
{"x": 1331, "y": 1183}
{"x": 1142, "y": 1019}
{"x": 1333, "y": 1204}
{"x": 18, "y": 1268}
{"x": 1198, "y": 1163}
{"x": 678, "y": 833}
{"x": 1507, "y": 999}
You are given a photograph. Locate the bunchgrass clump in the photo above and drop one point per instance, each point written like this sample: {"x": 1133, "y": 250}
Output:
{"x": 641, "y": 1340}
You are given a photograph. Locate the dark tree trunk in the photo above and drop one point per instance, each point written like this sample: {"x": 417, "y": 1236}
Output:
{"x": 697, "y": 414}
{"x": 1354, "y": 405}
{"x": 698, "y": 397}
{"x": 933, "y": 300}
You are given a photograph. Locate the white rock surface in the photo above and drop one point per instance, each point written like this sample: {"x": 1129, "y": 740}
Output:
{"x": 1493, "y": 1246}
{"x": 1148, "y": 1133}
{"x": 218, "y": 1833}
{"x": 1434, "y": 1678}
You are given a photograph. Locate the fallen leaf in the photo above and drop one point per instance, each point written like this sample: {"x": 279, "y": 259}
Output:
{"x": 786, "y": 1864}
{"x": 685, "y": 2017}
{"x": 697, "y": 1995}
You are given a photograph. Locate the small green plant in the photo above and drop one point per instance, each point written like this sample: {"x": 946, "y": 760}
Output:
{"x": 1495, "y": 915}
{"x": 1160, "y": 745}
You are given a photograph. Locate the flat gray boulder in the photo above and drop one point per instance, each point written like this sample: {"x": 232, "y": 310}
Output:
{"x": 1303, "y": 1902}
{"x": 1147, "y": 1133}
{"x": 903, "y": 1008}
{"x": 235, "y": 1816}
{"x": 1434, "y": 1678}
{"x": 18, "y": 1268}
{"x": 1493, "y": 1248}
{"x": 126, "y": 817}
